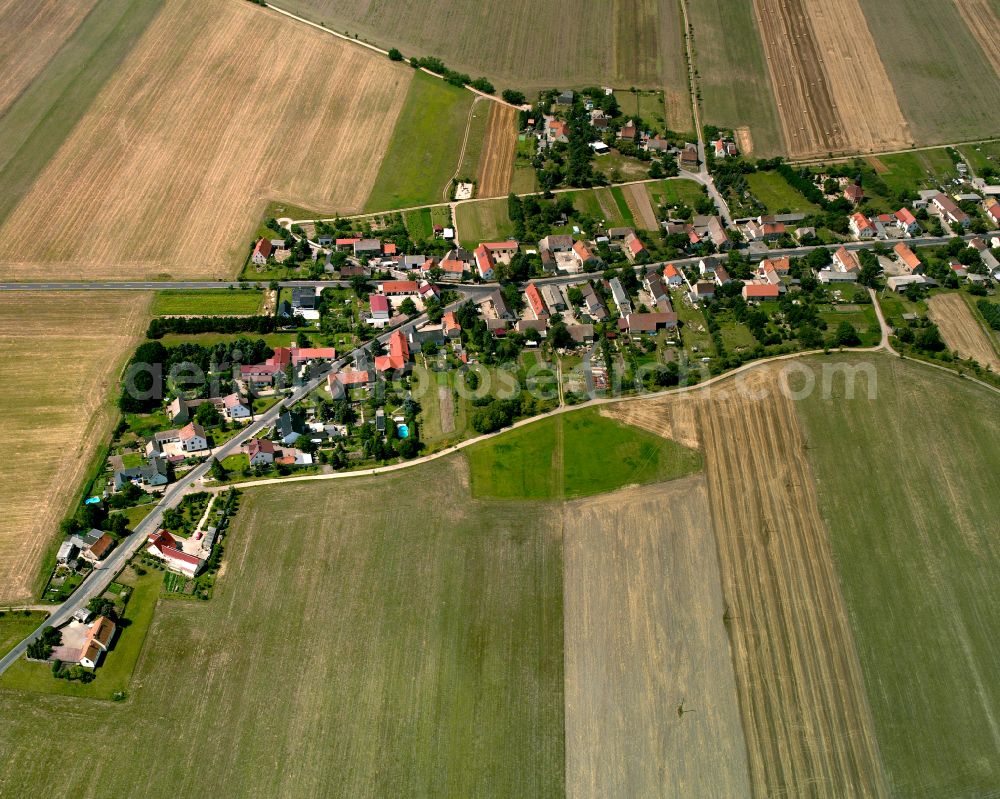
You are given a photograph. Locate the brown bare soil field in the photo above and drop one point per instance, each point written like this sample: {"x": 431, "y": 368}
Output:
{"x": 62, "y": 354}
{"x": 832, "y": 90}
{"x": 496, "y": 161}
{"x": 805, "y": 712}
{"x": 878, "y": 165}
{"x": 651, "y": 703}
{"x": 961, "y": 331}
{"x": 983, "y": 22}
{"x": 642, "y": 210}
{"x": 34, "y": 31}
{"x": 220, "y": 107}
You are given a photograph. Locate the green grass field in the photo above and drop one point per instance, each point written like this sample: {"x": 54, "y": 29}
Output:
{"x": 115, "y": 673}
{"x": 776, "y": 193}
{"x": 15, "y": 626}
{"x": 40, "y": 119}
{"x": 477, "y": 138}
{"x": 423, "y": 153}
{"x": 647, "y": 105}
{"x": 485, "y": 220}
{"x": 623, "y": 210}
{"x": 674, "y": 192}
{"x": 981, "y": 155}
{"x": 418, "y": 224}
{"x": 732, "y": 72}
{"x": 913, "y": 524}
{"x": 379, "y": 645}
{"x": 924, "y": 169}
{"x": 206, "y": 302}
{"x": 575, "y": 454}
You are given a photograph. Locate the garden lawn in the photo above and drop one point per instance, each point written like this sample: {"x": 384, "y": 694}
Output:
{"x": 484, "y": 220}
{"x": 776, "y": 193}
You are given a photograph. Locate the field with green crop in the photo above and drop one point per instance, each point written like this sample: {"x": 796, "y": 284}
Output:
{"x": 675, "y": 192}
{"x": 206, "y": 302}
{"x": 923, "y": 169}
{"x": 776, "y": 193}
{"x": 732, "y": 72}
{"x": 913, "y": 539}
{"x": 484, "y": 220}
{"x": 425, "y": 146}
{"x": 378, "y": 646}
{"x": 575, "y": 454}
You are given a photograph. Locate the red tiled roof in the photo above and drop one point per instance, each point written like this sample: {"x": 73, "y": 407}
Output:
{"x": 399, "y": 287}
{"x": 263, "y": 248}
{"x": 535, "y": 299}
{"x": 378, "y": 302}
{"x": 765, "y": 290}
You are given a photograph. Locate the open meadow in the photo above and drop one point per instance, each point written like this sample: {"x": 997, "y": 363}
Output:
{"x": 359, "y": 642}
{"x": 912, "y": 518}
{"x": 219, "y": 107}
{"x": 62, "y": 356}
{"x": 199, "y": 302}
{"x": 651, "y": 705}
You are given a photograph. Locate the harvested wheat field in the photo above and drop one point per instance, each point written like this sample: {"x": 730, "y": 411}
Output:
{"x": 831, "y": 87}
{"x": 981, "y": 17}
{"x": 41, "y": 27}
{"x": 638, "y": 202}
{"x": 219, "y": 107}
{"x": 808, "y": 726}
{"x": 651, "y": 703}
{"x": 496, "y": 161}
{"x": 961, "y": 330}
{"x": 55, "y": 411}
{"x": 668, "y": 417}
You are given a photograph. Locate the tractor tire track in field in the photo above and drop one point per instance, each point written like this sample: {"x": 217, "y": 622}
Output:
{"x": 496, "y": 161}
{"x": 808, "y": 727}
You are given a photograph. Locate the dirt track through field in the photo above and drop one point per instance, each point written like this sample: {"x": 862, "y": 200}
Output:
{"x": 961, "y": 330}
{"x": 805, "y": 713}
{"x": 220, "y": 106}
{"x": 983, "y": 22}
{"x": 831, "y": 87}
{"x": 40, "y": 27}
{"x": 496, "y": 162}
{"x": 651, "y": 705}
{"x": 57, "y": 376}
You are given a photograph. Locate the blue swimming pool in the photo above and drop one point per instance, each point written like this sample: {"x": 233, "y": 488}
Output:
{"x": 404, "y": 431}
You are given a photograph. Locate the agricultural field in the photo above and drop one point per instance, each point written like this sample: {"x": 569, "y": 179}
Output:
{"x": 648, "y": 105}
{"x": 628, "y": 43}
{"x": 651, "y": 703}
{"x": 203, "y": 302}
{"x": 41, "y": 29}
{"x": 728, "y": 44}
{"x": 919, "y": 567}
{"x": 963, "y": 331}
{"x": 982, "y": 17}
{"x": 50, "y": 98}
{"x": 639, "y": 206}
{"x": 554, "y": 458}
{"x": 984, "y": 154}
{"x": 922, "y": 169}
{"x": 387, "y": 646}
{"x": 425, "y": 147}
{"x": 483, "y": 220}
{"x": 132, "y": 194}
{"x": 56, "y": 417}
{"x": 496, "y": 161}
{"x": 475, "y": 139}
{"x": 832, "y": 91}
{"x": 944, "y": 82}
{"x": 807, "y": 723}
{"x": 675, "y": 192}
{"x": 776, "y": 193}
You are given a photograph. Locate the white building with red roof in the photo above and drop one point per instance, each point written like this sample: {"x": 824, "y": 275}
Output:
{"x": 485, "y": 264}
{"x": 192, "y": 437}
{"x": 261, "y": 252}
{"x": 164, "y": 546}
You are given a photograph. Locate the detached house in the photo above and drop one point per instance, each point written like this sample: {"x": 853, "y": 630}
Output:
{"x": 535, "y": 301}
{"x": 846, "y": 261}
{"x": 97, "y": 642}
{"x": 164, "y": 546}
{"x": 634, "y": 248}
{"x": 672, "y": 275}
{"x": 260, "y": 452}
{"x": 485, "y": 264}
{"x": 911, "y": 263}
{"x": 949, "y": 210}
{"x": 236, "y": 407}
{"x": 582, "y": 254}
{"x": 261, "y": 252}
{"x": 399, "y": 354}
{"x": 862, "y": 227}
{"x": 907, "y": 222}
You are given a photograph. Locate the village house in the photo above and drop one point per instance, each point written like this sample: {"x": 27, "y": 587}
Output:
{"x": 367, "y": 248}
{"x": 846, "y": 261}
{"x": 99, "y": 549}
{"x": 853, "y": 193}
{"x": 911, "y": 263}
{"x": 97, "y": 642}
{"x": 553, "y": 298}
{"x": 717, "y": 234}
{"x": 861, "y": 226}
{"x": 498, "y": 305}
{"x": 763, "y": 229}
{"x": 164, "y": 546}
{"x": 485, "y": 264}
{"x": 152, "y": 474}
{"x": 398, "y": 288}
{"x": 724, "y": 148}
{"x": 620, "y": 296}
{"x": 399, "y": 354}
{"x": 689, "y": 156}
{"x": 236, "y": 407}
{"x": 582, "y": 255}
{"x": 378, "y": 305}
{"x": 595, "y": 308}
{"x": 261, "y": 252}
{"x": 774, "y": 270}
{"x": 260, "y": 452}
{"x": 538, "y": 325}
{"x": 907, "y": 222}
{"x": 561, "y": 242}
{"x": 634, "y": 248}
{"x": 535, "y": 302}
{"x": 949, "y": 211}
{"x": 346, "y": 244}
{"x": 339, "y": 383}
{"x": 754, "y": 292}
{"x": 703, "y": 290}
{"x": 581, "y": 334}
{"x": 449, "y": 322}
{"x": 657, "y": 291}
{"x": 556, "y": 130}
{"x": 672, "y": 275}
{"x": 639, "y": 324}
